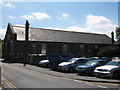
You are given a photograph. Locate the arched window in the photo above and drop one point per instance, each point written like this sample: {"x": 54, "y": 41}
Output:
{"x": 43, "y": 48}
{"x": 65, "y": 48}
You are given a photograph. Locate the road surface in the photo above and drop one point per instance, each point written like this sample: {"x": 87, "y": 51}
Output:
{"x": 14, "y": 76}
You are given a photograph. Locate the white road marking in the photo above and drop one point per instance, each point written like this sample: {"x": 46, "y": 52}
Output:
{"x": 89, "y": 83}
{"x": 102, "y": 86}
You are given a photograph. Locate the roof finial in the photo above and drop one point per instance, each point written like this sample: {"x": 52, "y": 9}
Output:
{"x": 27, "y": 23}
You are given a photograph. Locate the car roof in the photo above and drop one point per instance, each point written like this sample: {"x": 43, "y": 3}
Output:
{"x": 79, "y": 58}
{"x": 116, "y": 60}
{"x": 98, "y": 60}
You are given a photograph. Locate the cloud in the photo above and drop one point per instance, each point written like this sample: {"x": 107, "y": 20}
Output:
{"x": 55, "y": 28}
{"x": 97, "y": 20}
{"x": 36, "y": 16}
{"x": 20, "y": 25}
{"x": 39, "y": 15}
{"x": 11, "y": 17}
{"x": 9, "y": 5}
{"x": 27, "y": 17}
{"x": 93, "y": 24}
{"x": 99, "y": 24}
{"x": 64, "y": 16}
{"x": 77, "y": 29}
{"x": 2, "y": 33}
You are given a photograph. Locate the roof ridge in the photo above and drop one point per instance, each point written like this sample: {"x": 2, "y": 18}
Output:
{"x": 63, "y": 30}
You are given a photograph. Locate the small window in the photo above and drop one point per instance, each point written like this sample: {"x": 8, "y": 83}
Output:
{"x": 96, "y": 47}
{"x": 43, "y": 48}
{"x": 33, "y": 45}
{"x": 82, "y": 46}
{"x": 65, "y": 48}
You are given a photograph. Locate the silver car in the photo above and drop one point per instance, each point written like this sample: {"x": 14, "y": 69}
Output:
{"x": 72, "y": 64}
{"x": 111, "y": 69}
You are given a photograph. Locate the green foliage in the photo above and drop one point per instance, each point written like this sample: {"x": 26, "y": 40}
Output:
{"x": 1, "y": 48}
{"x": 118, "y": 34}
{"x": 110, "y": 52}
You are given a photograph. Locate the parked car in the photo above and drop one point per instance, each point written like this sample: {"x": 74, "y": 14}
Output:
{"x": 89, "y": 67}
{"x": 56, "y": 59}
{"x": 94, "y": 58}
{"x": 71, "y": 65}
{"x": 44, "y": 63}
{"x": 111, "y": 69}
{"x": 34, "y": 59}
{"x": 105, "y": 58}
{"x": 116, "y": 58}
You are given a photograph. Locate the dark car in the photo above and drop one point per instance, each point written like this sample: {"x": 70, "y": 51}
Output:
{"x": 89, "y": 67}
{"x": 71, "y": 65}
{"x": 34, "y": 59}
{"x": 105, "y": 58}
{"x": 56, "y": 59}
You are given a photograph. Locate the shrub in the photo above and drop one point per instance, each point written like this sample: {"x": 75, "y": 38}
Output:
{"x": 109, "y": 52}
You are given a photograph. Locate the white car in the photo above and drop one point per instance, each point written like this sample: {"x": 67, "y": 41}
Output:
{"x": 44, "y": 63}
{"x": 111, "y": 69}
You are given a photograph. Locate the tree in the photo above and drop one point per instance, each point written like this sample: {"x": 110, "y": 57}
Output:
{"x": 118, "y": 34}
{"x": 1, "y": 47}
{"x": 109, "y": 52}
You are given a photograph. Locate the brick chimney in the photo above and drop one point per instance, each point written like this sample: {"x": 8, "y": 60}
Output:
{"x": 27, "y": 30}
{"x": 112, "y": 35}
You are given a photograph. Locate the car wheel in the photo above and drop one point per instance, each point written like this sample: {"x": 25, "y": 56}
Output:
{"x": 116, "y": 74}
{"x": 48, "y": 65}
{"x": 71, "y": 69}
{"x": 98, "y": 76}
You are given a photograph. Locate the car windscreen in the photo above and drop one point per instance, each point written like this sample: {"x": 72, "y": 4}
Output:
{"x": 72, "y": 60}
{"x": 93, "y": 62}
{"x": 81, "y": 61}
{"x": 116, "y": 63}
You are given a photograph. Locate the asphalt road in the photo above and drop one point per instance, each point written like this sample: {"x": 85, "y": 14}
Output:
{"x": 21, "y": 77}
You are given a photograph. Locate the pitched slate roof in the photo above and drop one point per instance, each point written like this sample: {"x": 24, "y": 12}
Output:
{"x": 49, "y": 35}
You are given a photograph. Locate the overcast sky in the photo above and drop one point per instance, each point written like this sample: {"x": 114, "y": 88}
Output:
{"x": 93, "y": 17}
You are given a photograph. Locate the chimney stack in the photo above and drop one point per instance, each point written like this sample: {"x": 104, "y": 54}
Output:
{"x": 112, "y": 34}
{"x": 27, "y": 30}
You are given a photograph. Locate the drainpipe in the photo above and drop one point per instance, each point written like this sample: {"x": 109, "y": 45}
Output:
{"x": 26, "y": 41}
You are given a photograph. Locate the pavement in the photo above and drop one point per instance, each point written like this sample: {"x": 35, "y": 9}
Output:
{"x": 68, "y": 75}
